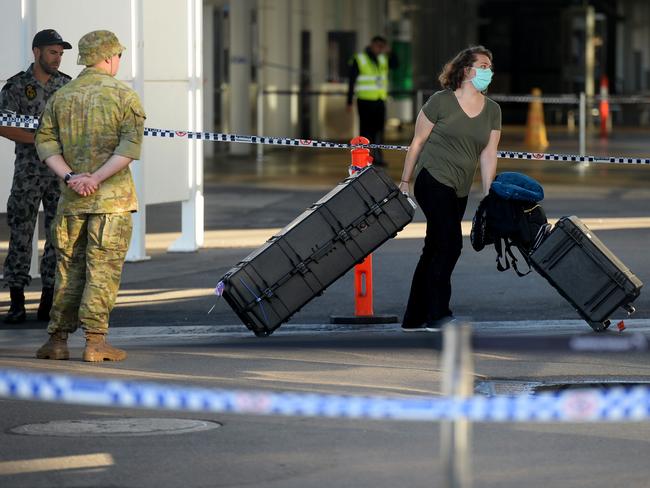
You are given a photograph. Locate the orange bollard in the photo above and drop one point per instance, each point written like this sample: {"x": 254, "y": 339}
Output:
{"x": 363, "y": 303}
{"x": 360, "y": 155}
{"x": 362, "y": 272}
{"x": 605, "y": 124}
{"x": 363, "y": 288}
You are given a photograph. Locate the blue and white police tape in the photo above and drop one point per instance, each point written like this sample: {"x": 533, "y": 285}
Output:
{"x": 27, "y": 122}
{"x": 614, "y": 405}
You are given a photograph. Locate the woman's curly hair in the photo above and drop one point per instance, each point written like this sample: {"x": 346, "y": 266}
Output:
{"x": 454, "y": 71}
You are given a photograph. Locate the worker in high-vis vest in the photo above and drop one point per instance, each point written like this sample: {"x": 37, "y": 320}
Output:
{"x": 368, "y": 80}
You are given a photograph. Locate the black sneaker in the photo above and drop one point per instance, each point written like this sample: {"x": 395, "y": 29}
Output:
{"x": 414, "y": 328}
{"x": 436, "y": 325}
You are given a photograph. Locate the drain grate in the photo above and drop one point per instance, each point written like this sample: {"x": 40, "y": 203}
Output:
{"x": 527, "y": 387}
{"x": 589, "y": 385}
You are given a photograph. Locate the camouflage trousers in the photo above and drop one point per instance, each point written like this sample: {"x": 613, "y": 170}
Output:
{"x": 27, "y": 193}
{"x": 91, "y": 249}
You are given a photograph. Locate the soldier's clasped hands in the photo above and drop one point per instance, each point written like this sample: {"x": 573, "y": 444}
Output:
{"x": 84, "y": 184}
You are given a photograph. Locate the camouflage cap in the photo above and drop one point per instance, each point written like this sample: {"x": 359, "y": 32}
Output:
{"x": 98, "y": 45}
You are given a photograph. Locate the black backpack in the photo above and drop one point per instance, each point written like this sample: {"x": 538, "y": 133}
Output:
{"x": 508, "y": 216}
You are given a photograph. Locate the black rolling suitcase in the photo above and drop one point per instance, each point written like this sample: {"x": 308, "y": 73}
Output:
{"x": 585, "y": 272}
{"x": 313, "y": 251}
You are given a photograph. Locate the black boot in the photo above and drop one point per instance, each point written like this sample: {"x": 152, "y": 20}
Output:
{"x": 47, "y": 296}
{"x": 16, "y": 314}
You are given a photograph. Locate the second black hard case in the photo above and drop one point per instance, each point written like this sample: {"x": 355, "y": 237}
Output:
{"x": 585, "y": 272}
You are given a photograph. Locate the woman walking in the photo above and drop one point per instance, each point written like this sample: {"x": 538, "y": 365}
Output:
{"x": 457, "y": 130}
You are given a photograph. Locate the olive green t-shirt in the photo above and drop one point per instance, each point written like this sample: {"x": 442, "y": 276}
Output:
{"x": 451, "y": 153}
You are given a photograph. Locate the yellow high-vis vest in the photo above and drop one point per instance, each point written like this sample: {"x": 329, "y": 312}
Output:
{"x": 372, "y": 82}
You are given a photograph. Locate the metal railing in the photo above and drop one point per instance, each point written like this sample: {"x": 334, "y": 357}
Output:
{"x": 580, "y": 101}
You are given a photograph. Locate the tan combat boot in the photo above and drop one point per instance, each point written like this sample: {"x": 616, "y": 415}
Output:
{"x": 55, "y": 348}
{"x": 97, "y": 349}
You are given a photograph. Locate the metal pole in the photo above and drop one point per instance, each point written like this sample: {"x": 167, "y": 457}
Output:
{"x": 590, "y": 52}
{"x": 583, "y": 124}
{"x": 260, "y": 110}
{"x": 458, "y": 382}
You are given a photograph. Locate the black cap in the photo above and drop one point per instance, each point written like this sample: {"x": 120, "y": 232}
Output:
{"x": 49, "y": 37}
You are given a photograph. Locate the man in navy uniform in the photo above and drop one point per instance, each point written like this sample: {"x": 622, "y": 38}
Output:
{"x": 33, "y": 182}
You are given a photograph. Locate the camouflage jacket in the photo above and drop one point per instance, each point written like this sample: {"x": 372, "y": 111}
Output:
{"x": 87, "y": 121}
{"x": 25, "y": 95}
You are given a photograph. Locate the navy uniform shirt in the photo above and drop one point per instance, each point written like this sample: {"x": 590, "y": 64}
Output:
{"x": 25, "y": 95}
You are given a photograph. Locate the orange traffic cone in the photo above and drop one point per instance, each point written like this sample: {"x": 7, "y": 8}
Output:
{"x": 536, "y": 139}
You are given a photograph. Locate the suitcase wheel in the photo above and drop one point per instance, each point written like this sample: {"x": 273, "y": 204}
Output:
{"x": 261, "y": 333}
{"x": 629, "y": 308}
{"x": 600, "y": 326}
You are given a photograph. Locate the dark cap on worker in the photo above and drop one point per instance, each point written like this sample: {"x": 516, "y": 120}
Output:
{"x": 49, "y": 37}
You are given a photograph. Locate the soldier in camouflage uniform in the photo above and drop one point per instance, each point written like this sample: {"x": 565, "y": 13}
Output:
{"x": 89, "y": 133}
{"x": 26, "y": 94}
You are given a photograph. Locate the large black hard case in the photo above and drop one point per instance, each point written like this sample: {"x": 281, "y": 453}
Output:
{"x": 314, "y": 250}
{"x": 585, "y": 272}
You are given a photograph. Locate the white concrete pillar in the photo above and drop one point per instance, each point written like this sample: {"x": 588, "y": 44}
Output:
{"x": 240, "y": 72}
{"x": 192, "y": 210}
{"x": 296, "y": 27}
{"x": 137, "y": 249}
{"x": 365, "y": 28}
{"x": 28, "y": 14}
{"x": 208, "y": 75}
{"x": 276, "y": 27}
{"x": 318, "y": 61}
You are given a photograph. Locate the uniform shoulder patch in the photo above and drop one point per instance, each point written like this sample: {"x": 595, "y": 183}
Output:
{"x": 16, "y": 77}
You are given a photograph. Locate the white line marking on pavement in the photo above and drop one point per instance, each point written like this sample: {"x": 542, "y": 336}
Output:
{"x": 25, "y": 466}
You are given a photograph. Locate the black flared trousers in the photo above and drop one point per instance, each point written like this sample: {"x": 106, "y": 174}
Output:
{"x": 431, "y": 286}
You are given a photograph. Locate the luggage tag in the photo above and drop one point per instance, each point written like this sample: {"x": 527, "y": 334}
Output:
{"x": 219, "y": 292}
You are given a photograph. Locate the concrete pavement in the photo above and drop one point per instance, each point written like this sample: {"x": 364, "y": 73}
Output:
{"x": 296, "y": 451}
{"x": 162, "y": 320}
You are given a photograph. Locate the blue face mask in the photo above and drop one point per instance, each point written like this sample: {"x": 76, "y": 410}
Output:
{"x": 482, "y": 79}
